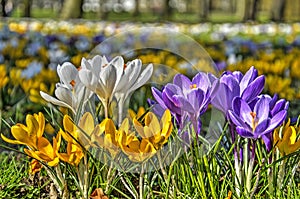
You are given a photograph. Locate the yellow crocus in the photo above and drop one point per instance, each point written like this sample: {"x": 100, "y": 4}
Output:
{"x": 141, "y": 111}
{"x": 28, "y": 134}
{"x": 157, "y": 132}
{"x": 105, "y": 135}
{"x": 73, "y": 155}
{"x": 79, "y": 133}
{"x": 288, "y": 142}
{"x": 137, "y": 150}
{"x": 45, "y": 152}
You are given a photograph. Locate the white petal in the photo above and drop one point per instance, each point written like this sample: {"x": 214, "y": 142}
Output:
{"x": 68, "y": 72}
{"x": 53, "y": 100}
{"x": 64, "y": 95}
{"x": 108, "y": 79}
{"x": 143, "y": 78}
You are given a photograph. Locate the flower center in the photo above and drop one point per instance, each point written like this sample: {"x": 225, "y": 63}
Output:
{"x": 254, "y": 120}
{"x": 193, "y": 86}
{"x": 72, "y": 83}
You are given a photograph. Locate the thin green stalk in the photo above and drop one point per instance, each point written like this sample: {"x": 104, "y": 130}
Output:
{"x": 86, "y": 174}
{"x": 249, "y": 173}
{"x": 109, "y": 176}
{"x": 245, "y": 157}
{"x": 211, "y": 183}
{"x": 202, "y": 186}
{"x": 141, "y": 182}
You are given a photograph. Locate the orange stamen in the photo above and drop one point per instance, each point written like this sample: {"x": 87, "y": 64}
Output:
{"x": 193, "y": 86}
{"x": 254, "y": 120}
{"x": 72, "y": 83}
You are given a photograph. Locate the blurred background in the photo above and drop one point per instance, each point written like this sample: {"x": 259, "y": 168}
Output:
{"x": 191, "y": 11}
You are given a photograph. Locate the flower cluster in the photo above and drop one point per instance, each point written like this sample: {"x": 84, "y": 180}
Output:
{"x": 97, "y": 95}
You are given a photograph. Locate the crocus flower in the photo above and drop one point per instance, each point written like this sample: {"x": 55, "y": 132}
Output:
{"x": 73, "y": 155}
{"x": 35, "y": 166}
{"x": 102, "y": 77}
{"x": 287, "y": 143}
{"x": 186, "y": 99}
{"x": 79, "y": 133}
{"x": 132, "y": 78}
{"x": 157, "y": 132}
{"x": 28, "y": 135}
{"x": 235, "y": 84}
{"x": 45, "y": 152}
{"x": 137, "y": 150}
{"x": 70, "y": 92}
{"x": 257, "y": 121}
{"x": 105, "y": 135}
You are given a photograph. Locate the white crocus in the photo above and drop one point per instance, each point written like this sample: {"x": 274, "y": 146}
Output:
{"x": 69, "y": 92}
{"x": 132, "y": 78}
{"x": 102, "y": 77}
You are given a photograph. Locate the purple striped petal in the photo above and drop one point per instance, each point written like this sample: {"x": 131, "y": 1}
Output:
{"x": 261, "y": 128}
{"x": 262, "y": 109}
{"x": 249, "y": 77}
{"x": 244, "y": 132}
{"x": 277, "y": 120}
{"x": 253, "y": 89}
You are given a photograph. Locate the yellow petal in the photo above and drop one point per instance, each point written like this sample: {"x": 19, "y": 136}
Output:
{"x": 41, "y": 121}
{"x": 12, "y": 141}
{"x": 33, "y": 127}
{"x": 54, "y": 162}
{"x": 86, "y": 123}
{"x": 153, "y": 123}
{"x": 45, "y": 147}
{"x": 32, "y": 154}
{"x": 293, "y": 135}
{"x": 139, "y": 127}
{"x": 69, "y": 125}
{"x": 22, "y": 135}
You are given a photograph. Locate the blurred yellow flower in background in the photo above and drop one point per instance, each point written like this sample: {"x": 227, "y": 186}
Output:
{"x": 4, "y": 79}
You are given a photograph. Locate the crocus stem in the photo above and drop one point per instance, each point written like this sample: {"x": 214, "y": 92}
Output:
{"x": 245, "y": 158}
{"x": 109, "y": 176}
{"x": 132, "y": 191}
{"x": 250, "y": 169}
{"x": 161, "y": 167}
{"x": 120, "y": 109}
{"x": 86, "y": 174}
{"x": 141, "y": 182}
{"x": 281, "y": 174}
{"x": 106, "y": 107}
{"x": 238, "y": 175}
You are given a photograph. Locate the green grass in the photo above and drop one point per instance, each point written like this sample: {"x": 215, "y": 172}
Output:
{"x": 15, "y": 182}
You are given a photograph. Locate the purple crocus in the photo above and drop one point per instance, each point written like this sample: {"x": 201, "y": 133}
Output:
{"x": 261, "y": 119}
{"x": 187, "y": 100}
{"x": 235, "y": 84}
{"x": 275, "y": 107}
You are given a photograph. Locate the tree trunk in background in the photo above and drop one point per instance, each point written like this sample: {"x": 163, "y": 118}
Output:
{"x": 103, "y": 10}
{"x": 251, "y": 8}
{"x": 204, "y": 9}
{"x": 72, "y": 9}
{"x": 168, "y": 10}
{"x": 277, "y": 11}
{"x": 253, "y": 15}
{"x": 4, "y": 14}
{"x": 137, "y": 8}
{"x": 27, "y": 8}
